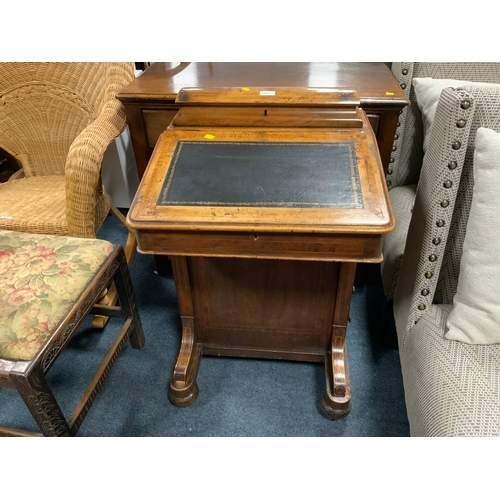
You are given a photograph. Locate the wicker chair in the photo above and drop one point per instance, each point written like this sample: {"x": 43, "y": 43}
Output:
{"x": 406, "y": 162}
{"x": 57, "y": 120}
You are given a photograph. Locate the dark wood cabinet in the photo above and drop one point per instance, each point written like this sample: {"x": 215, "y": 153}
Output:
{"x": 149, "y": 100}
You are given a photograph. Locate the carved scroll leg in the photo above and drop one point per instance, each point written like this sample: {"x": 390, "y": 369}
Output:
{"x": 337, "y": 400}
{"x": 183, "y": 389}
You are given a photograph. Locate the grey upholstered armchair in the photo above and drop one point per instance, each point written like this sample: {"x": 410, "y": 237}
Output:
{"x": 408, "y": 152}
{"x": 451, "y": 373}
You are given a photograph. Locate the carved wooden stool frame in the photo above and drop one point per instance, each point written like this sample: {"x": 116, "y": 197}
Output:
{"x": 28, "y": 377}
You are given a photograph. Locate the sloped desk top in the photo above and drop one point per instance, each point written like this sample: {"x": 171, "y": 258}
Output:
{"x": 321, "y": 181}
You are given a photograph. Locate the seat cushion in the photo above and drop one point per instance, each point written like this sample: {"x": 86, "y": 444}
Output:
{"x": 41, "y": 278}
{"x": 451, "y": 388}
{"x": 402, "y": 200}
{"x": 427, "y": 93}
{"x": 476, "y": 313}
{"x": 19, "y": 212}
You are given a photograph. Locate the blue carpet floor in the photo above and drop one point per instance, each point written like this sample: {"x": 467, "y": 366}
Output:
{"x": 238, "y": 397}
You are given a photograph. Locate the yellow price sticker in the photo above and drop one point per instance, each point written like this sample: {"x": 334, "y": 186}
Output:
{"x": 389, "y": 93}
{"x": 246, "y": 89}
{"x": 209, "y": 136}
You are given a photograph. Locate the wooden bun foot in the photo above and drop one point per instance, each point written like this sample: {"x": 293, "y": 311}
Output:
{"x": 334, "y": 410}
{"x": 183, "y": 397}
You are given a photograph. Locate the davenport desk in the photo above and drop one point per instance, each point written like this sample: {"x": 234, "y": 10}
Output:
{"x": 150, "y": 105}
{"x": 264, "y": 199}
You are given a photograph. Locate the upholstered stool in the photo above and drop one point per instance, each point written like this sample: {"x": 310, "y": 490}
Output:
{"x": 48, "y": 285}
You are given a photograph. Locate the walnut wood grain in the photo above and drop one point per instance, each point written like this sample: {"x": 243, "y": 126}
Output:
{"x": 264, "y": 281}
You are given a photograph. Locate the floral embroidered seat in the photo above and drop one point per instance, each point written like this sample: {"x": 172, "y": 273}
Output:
{"x": 48, "y": 284}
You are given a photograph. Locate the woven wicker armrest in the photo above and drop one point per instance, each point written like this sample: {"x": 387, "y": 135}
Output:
{"x": 83, "y": 167}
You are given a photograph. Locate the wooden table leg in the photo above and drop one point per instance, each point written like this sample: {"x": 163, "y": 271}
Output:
{"x": 183, "y": 389}
{"x": 337, "y": 401}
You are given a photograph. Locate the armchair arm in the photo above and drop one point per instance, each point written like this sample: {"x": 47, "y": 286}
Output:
{"x": 426, "y": 244}
{"x": 406, "y": 161}
{"x": 83, "y": 168}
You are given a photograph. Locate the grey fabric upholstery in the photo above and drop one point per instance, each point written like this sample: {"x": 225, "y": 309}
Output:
{"x": 408, "y": 155}
{"x": 402, "y": 200}
{"x": 407, "y": 158}
{"x": 451, "y": 388}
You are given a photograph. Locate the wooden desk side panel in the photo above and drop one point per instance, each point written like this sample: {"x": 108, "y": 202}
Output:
{"x": 264, "y": 308}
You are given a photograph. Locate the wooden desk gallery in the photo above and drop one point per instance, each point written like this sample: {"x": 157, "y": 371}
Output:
{"x": 264, "y": 199}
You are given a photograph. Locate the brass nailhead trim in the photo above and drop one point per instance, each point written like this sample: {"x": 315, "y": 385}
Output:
{"x": 452, "y": 165}
{"x": 429, "y": 275}
{"x": 445, "y": 203}
{"x": 394, "y": 148}
{"x": 440, "y": 223}
{"x": 405, "y": 71}
{"x": 433, "y": 257}
{"x": 389, "y": 183}
{"x": 461, "y": 123}
{"x": 403, "y": 86}
{"x": 396, "y": 137}
{"x": 422, "y": 307}
{"x": 389, "y": 171}
{"x": 425, "y": 292}
{"x": 436, "y": 241}
{"x": 456, "y": 145}
{"x": 391, "y": 160}
{"x": 447, "y": 184}
{"x": 465, "y": 104}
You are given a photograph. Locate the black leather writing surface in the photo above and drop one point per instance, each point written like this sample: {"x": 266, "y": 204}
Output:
{"x": 274, "y": 174}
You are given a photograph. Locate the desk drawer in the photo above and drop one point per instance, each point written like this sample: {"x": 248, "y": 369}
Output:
{"x": 334, "y": 247}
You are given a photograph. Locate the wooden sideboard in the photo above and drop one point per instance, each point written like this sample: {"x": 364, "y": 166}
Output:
{"x": 149, "y": 100}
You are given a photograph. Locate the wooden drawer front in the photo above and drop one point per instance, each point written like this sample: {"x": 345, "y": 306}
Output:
{"x": 347, "y": 247}
{"x": 155, "y": 122}
{"x": 374, "y": 122}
